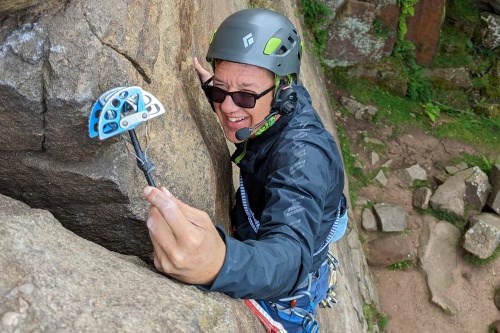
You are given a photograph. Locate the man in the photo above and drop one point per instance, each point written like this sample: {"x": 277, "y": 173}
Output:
{"x": 289, "y": 206}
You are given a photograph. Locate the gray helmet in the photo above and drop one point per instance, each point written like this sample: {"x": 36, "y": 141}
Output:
{"x": 258, "y": 37}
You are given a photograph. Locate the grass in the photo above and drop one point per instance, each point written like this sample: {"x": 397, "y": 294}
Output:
{"x": 401, "y": 265}
{"x": 374, "y": 316}
{"x": 357, "y": 178}
{"x": 476, "y": 261}
{"x": 484, "y": 163}
{"x": 457, "y": 221}
{"x": 316, "y": 17}
{"x": 396, "y": 110}
{"x": 480, "y": 132}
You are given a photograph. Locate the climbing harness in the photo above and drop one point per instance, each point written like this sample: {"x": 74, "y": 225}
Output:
{"x": 120, "y": 110}
{"x": 304, "y": 317}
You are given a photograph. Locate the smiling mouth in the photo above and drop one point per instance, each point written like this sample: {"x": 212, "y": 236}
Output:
{"x": 236, "y": 119}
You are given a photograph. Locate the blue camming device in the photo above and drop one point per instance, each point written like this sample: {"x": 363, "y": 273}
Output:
{"x": 120, "y": 110}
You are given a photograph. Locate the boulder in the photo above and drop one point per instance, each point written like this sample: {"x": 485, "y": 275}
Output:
{"x": 351, "y": 39}
{"x": 467, "y": 188}
{"x": 381, "y": 179}
{"x": 392, "y": 218}
{"x": 388, "y": 250}
{"x": 368, "y": 220}
{"x": 421, "y": 197}
{"x": 438, "y": 257}
{"x": 411, "y": 174}
{"x": 54, "y": 279}
{"x": 484, "y": 236}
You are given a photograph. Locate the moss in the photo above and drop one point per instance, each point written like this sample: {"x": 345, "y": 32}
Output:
{"x": 476, "y": 261}
{"x": 374, "y": 316}
{"x": 401, "y": 265}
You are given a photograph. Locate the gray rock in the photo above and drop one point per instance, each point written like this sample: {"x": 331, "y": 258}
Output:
{"x": 489, "y": 33}
{"x": 389, "y": 250}
{"x": 7, "y": 7}
{"x": 360, "y": 111}
{"x": 450, "y": 196}
{"x": 54, "y": 279}
{"x": 438, "y": 258}
{"x": 411, "y": 174}
{"x": 477, "y": 189}
{"x": 374, "y": 158}
{"x": 351, "y": 39}
{"x": 391, "y": 217}
{"x": 421, "y": 197}
{"x": 368, "y": 221}
{"x": 494, "y": 197}
{"x": 483, "y": 238}
{"x": 381, "y": 178}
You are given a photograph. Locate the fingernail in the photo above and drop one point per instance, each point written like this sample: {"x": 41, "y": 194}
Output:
{"x": 147, "y": 190}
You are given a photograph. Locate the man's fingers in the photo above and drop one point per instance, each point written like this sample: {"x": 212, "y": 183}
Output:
{"x": 192, "y": 214}
{"x": 159, "y": 231}
{"x": 167, "y": 206}
{"x": 203, "y": 74}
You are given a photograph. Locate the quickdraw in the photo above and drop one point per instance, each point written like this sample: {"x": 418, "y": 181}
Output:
{"x": 120, "y": 110}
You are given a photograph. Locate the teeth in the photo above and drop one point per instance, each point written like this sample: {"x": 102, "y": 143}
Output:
{"x": 233, "y": 120}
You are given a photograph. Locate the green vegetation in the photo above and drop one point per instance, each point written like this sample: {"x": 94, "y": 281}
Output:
{"x": 374, "y": 317}
{"x": 357, "y": 178}
{"x": 484, "y": 163}
{"x": 445, "y": 113}
{"x": 457, "y": 221}
{"x": 401, "y": 265}
{"x": 476, "y": 261}
{"x": 316, "y": 17}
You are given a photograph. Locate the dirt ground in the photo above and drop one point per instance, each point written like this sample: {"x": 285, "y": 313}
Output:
{"x": 404, "y": 295}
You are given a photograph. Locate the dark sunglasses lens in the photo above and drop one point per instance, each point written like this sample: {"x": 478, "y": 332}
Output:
{"x": 243, "y": 99}
{"x": 218, "y": 95}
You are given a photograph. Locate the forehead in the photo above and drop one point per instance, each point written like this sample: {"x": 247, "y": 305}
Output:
{"x": 241, "y": 74}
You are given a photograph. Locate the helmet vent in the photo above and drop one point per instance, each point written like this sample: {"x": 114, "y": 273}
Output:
{"x": 291, "y": 40}
{"x": 282, "y": 50}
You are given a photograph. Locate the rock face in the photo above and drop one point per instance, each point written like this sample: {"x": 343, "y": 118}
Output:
{"x": 52, "y": 278}
{"x": 49, "y": 85}
{"x": 56, "y": 58}
{"x": 352, "y": 34}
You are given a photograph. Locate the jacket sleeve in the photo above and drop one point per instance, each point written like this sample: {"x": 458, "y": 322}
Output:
{"x": 280, "y": 259}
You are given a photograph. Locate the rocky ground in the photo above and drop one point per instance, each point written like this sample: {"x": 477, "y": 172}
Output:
{"x": 462, "y": 297}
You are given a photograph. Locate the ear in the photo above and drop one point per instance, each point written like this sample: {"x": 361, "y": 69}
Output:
{"x": 285, "y": 100}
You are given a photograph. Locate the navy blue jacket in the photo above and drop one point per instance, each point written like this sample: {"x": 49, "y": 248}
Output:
{"x": 294, "y": 179}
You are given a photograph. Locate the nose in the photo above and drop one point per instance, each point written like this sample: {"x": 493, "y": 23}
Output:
{"x": 227, "y": 105}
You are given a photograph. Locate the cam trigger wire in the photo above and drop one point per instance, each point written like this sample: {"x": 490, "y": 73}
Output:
{"x": 128, "y": 141}
{"x": 120, "y": 110}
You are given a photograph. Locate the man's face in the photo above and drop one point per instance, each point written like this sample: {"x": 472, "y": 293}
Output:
{"x": 232, "y": 76}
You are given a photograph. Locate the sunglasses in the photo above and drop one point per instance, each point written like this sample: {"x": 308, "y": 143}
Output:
{"x": 242, "y": 99}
